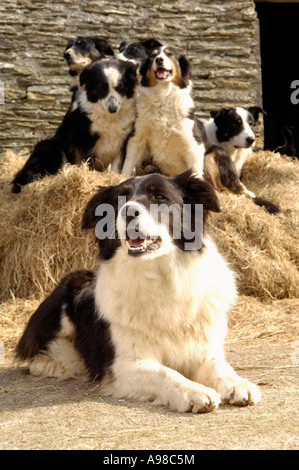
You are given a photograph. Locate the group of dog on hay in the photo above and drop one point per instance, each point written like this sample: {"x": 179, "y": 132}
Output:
{"x": 150, "y": 322}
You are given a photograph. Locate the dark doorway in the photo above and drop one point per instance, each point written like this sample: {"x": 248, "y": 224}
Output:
{"x": 279, "y": 38}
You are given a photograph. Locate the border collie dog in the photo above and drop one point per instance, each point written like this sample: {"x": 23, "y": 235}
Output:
{"x": 96, "y": 127}
{"x": 150, "y": 322}
{"x": 165, "y": 129}
{"x": 83, "y": 50}
{"x": 137, "y": 51}
{"x": 232, "y": 129}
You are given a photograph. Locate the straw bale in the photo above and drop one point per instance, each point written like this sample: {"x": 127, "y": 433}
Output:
{"x": 261, "y": 248}
{"x": 40, "y": 237}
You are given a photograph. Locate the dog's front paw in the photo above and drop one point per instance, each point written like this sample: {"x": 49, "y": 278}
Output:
{"x": 240, "y": 392}
{"x": 197, "y": 399}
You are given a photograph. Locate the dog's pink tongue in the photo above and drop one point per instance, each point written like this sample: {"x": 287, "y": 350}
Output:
{"x": 136, "y": 242}
{"x": 161, "y": 73}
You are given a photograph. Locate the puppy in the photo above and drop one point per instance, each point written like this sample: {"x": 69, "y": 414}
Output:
{"x": 231, "y": 128}
{"x": 95, "y": 128}
{"x": 165, "y": 129}
{"x": 150, "y": 323}
{"x": 83, "y": 50}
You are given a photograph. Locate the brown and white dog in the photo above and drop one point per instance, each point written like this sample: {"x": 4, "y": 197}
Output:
{"x": 166, "y": 130}
{"x": 151, "y": 321}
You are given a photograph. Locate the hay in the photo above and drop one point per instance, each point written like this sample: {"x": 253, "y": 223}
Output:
{"x": 263, "y": 249}
{"x": 40, "y": 236}
{"x": 40, "y": 240}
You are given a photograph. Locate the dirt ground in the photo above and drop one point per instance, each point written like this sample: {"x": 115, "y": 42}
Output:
{"x": 47, "y": 414}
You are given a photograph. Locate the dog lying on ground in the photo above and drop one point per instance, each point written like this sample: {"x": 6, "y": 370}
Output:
{"x": 151, "y": 321}
{"x": 231, "y": 128}
{"x": 96, "y": 127}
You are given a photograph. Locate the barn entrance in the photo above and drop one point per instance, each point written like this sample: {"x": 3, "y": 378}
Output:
{"x": 279, "y": 43}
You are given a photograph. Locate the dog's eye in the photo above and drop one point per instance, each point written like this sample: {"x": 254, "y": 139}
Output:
{"x": 159, "y": 197}
{"x": 119, "y": 88}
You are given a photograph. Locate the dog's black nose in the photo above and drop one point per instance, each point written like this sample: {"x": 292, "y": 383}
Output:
{"x": 159, "y": 60}
{"x": 249, "y": 141}
{"x": 67, "y": 55}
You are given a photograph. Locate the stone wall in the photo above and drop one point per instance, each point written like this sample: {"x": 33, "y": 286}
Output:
{"x": 220, "y": 38}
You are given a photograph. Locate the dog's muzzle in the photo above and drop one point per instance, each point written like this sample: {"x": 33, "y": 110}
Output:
{"x": 112, "y": 104}
{"x": 134, "y": 221}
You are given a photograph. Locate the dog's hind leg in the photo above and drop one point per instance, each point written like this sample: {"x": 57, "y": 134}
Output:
{"x": 60, "y": 360}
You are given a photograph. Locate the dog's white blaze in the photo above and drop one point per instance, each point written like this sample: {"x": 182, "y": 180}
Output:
{"x": 147, "y": 225}
{"x": 167, "y": 64}
{"x": 240, "y": 139}
{"x": 112, "y": 127}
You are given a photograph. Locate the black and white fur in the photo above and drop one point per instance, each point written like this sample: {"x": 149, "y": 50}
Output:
{"x": 232, "y": 128}
{"x": 82, "y": 51}
{"x": 151, "y": 321}
{"x": 137, "y": 51}
{"x": 165, "y": 129}
{"x": 96, "y": 127}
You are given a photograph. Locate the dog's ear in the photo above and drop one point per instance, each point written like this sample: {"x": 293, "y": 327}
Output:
{"x": 123, "y": 45}
{"x": 91, "y": 215}
{"x": 84, "y": 76}
{"x": 151, "y": 44}
{"x": 197, "y": 191}
{"x": 185, "y": 66}
{"x": 143, "y": 71}
{"x": 103, "y": 46}
{"x": 131, "y": 75}
{"x": 215, "y": 113}
{"x": 255, "y": 111}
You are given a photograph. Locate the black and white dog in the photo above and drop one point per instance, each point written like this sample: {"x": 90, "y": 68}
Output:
{"x": 96, "y": 127}
{"x": 150, "y": 322}
{"x": 82, "y": 51}
{"x": 137, "y": 51}
{"x": 167, "y": 133}
{"x": 232, "y": 129}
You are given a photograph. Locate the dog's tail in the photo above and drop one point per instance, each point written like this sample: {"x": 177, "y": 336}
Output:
{"x": 268, "y": 205}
